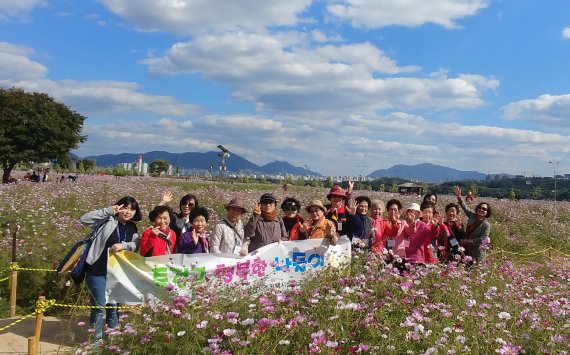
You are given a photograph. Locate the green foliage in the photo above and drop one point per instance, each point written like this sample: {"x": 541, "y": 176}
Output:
{"x": 329, "y": 183}
{"x": 512, "y": 195}
{"x": 536, "y": 193}
{"x": 474, "y": 189}
{"x": 394, "y": 187}
{"x": 35, "y": 127}
{"x": 158, "y": 166}
{"x": 88, "y": 164}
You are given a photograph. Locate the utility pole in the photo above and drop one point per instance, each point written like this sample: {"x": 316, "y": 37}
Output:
{"x": 554, "y": 165}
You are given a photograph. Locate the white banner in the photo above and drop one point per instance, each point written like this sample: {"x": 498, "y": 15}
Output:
{"x": 130, "y": 277}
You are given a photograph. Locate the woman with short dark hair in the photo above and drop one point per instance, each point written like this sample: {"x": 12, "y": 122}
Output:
{"x": 449, "y": 249}
{"x": 115, "y": 232}
{"x": 195, "y": 240}
{"x": 477, "y": 230}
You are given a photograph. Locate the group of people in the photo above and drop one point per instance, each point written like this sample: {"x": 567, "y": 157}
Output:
{"x": 423, "y": 235}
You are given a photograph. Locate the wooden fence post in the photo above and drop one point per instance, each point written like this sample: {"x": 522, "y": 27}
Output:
{"x": 14, "y": 264}
{"x": 32, "y": 350}
{"x": 38, "y": 325}
{"x": 13, "y": 287}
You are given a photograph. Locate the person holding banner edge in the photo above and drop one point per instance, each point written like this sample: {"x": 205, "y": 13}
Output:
{"x": 118, "y": 232}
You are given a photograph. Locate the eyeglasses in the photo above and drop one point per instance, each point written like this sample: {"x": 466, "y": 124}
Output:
{"x": 482, "y": 208}
{"x": 314, "y": 211}
{"x": 189, "y": 204}
{"x": 289, "y": 208}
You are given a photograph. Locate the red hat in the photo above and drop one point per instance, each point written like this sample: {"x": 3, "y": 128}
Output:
{"x": 336, "y": 190}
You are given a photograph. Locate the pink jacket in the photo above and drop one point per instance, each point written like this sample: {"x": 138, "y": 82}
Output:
{"x": 418, "y": 252}
{"x": 397, "y": 233}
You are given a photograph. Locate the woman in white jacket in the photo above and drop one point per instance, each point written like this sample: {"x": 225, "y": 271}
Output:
{"x": 227, "y": 235}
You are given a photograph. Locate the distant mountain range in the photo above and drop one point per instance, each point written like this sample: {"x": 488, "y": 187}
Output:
{"x": 427, "y": 173}
{"x": 204, "y": 161}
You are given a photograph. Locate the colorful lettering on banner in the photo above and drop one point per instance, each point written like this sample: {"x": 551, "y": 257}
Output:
{"x": 320, "y": 262}
{"x": 161, "y": 275}
{"x": 299, "y": 261}
{"x": 285, "y": 267}
{"x": 242, "y": 269}
{"x": 258, "y": 267}
{"x": 227, "y": 273}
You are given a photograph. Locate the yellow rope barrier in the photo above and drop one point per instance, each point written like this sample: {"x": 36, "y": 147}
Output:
{"x": 17, "y": 321}
{"x": 17, "y": 268}
{"x": 88, "y": 307}
{"x": 5, "y": 279}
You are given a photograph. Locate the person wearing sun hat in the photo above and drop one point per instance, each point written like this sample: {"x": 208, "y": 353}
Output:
{"x": 317, "y": 226}
{"x": 291, "y": 218}
{"x": 264, "y": 227}
{"x": 228, "y": 233}
{"x": 336, "y": 209}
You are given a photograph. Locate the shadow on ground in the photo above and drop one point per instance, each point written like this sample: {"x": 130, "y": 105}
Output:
{"x": 58, "y": 336}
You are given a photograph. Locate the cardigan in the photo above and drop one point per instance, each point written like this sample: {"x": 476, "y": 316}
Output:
{"x": 475, "y": 240}
{"x": 105, "y": 222}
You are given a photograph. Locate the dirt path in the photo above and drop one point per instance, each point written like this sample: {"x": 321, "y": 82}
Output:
{"x": 58, "y": 335}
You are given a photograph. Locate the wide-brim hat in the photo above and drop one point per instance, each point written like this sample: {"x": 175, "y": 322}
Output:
{"x": 363, "y": 198}
{"x": 316, "y": 203}
{"x": 290, "y": 201}
{"x": 336, "y": 190}
{"x": 236, "y": 202}
{"x": 267, "y": 197}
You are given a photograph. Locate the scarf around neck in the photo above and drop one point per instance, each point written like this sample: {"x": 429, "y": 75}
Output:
{"x": 269, "y": 216}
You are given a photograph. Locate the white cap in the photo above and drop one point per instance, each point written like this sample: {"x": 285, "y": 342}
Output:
{"x": 414, "y": 206}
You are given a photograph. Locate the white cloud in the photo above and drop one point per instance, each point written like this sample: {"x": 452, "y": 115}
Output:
{"x": 19, "y": 8}
{"x": 87, "y": 97}
{"x": 280, "y": 77}
{"x": 15, "y": 64}
{"x": 381, "y": 13}
{"x": 546, "y": 109}
{"x": 107, "y": 97}
{"x": 198, "y": 16}
{"x": 338, "y": 146}
{"x": 566, "y": 33}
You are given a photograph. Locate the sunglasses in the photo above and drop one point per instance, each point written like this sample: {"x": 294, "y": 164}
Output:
{"x": 289, "y": 208}
{"x": 191, "y": 204}
{"x": 483, "y": 208}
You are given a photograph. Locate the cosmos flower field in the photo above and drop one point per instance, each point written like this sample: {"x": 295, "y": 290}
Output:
{"x": 517, "y": 302}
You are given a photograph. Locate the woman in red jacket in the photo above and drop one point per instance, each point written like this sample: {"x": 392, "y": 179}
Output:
{"x": 158, "y": 239}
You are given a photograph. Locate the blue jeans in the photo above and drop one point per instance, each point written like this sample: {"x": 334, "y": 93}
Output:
{"x": 96, "y": 285}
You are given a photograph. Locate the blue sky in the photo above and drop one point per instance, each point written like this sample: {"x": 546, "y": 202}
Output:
{"x": 344, "y": 87}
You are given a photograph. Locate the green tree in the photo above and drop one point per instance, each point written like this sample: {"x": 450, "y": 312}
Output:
{"x": 158, "y": 166}
{"x": 536, "y": 193}
{"x": 88, "y": 164}
{"x": 35, "y": 127}
{"x": 474, "y": 189}
{"x": 512, "y": 195}
{"x": 329, "y": 183}
{"x": 80, "y": 168}
{"x": 394, "y": 187}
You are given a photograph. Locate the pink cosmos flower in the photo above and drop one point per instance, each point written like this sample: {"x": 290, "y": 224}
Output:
{"x": 509, "y": 349}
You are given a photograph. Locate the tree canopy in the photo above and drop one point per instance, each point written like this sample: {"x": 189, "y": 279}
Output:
{"x": 35, "y": 127}
{"x": 158, "y": 166}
